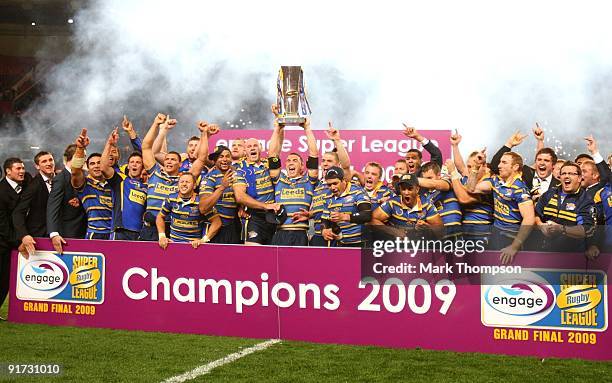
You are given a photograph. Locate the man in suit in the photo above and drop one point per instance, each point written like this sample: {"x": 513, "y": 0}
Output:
{"x": 30, "y": 215}
{"x": 539, "y": 178}
{"x": 65, "y": 214}
{"x": 11, "y": 187}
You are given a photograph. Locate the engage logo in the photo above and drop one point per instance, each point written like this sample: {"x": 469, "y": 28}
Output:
{"x": 518, "y": 300}
{"x": 44, "y": 275}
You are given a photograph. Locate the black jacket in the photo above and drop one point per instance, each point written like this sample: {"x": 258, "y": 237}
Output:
{"x": 8, "y": 201}
{"x": 30, "y": 215}
{"x": 528, "y": 171}
{"x": 65, "y": 213}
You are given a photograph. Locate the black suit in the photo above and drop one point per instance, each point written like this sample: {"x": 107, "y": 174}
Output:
{"x": 8, "y": 201}
{"x": 30, "y": 215}
{"x": 528, "y": 171}
{"x": 65, "y": 213}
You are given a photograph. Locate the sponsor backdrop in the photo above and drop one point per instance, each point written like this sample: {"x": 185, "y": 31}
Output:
{"x": 363, "y": 146}
{"x": 315, "y": 294}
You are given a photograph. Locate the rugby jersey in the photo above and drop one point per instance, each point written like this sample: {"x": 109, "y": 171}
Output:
{"x": 186, "y": 221}
{"x": 294, "y": 194}
{"x": 347, "y": 202}
{"x": 401, "y": 215}
{"x": 321, "y": 194}
{"x": 226, "y": 205}
{"x": 448, "y": 207}
{"x": 567, "y": 210}
{"x": 129, "y": 201}
{"x": 263, "y": 187}
{"x": 477, "y": 217}
{"x": 603, "y": 201}
{"x": 604, "y": 197}
{"x": 97, "y": 200}
{"x": 506, "y": 198}
{"x": 379, "y": 193}
{"x": 160, "y": 186}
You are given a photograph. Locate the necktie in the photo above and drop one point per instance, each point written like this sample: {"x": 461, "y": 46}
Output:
{"x": 18, "y": 189}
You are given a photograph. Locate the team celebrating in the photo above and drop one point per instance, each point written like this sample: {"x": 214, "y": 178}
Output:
{"x": 236, "y": 195}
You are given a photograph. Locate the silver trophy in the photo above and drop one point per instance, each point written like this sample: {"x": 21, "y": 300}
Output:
{"x": 291, "y": 97}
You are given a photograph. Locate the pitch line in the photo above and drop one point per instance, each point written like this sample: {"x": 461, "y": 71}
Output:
{"x": 206, "y": 368}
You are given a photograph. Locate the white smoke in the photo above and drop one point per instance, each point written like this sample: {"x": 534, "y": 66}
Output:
{"x": 485, "y": 68}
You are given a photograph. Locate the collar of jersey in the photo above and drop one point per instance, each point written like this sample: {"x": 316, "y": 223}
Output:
{"x": 95, "y": 181}
{"x": 377, "y": 187}
{"x": 346, "y": 191}
{"x": 511, "y": 180}
{"x": 417, "y": 206}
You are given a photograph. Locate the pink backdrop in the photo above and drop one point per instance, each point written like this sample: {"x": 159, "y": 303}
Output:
{"x": 382, "y": 146}
{"x": 459, "y": 329}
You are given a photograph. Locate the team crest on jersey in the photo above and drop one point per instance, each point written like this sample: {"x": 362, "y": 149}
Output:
{"x": 398, "y": 210}
{"x": 570, "y": 206}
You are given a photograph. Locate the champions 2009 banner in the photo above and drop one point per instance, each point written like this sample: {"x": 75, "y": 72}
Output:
{"x": 321, "y": 295}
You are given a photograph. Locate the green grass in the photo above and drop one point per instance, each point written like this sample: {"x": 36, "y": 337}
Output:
{"x": 102, "y": 355}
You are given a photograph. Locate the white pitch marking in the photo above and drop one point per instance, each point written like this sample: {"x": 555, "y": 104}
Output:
{"x": 205, "y": 369}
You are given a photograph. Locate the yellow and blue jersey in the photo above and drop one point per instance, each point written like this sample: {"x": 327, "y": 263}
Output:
{"x": 378, "y": 194}
{"x": 604, "y": 197}
{"x": 506, "y": 199}
{"x": 226, "y": 205}
{"x": 186, "y": 221}
{"x": 347, "y": 202}
{"x": 603, "y": 202}
{"x": 129, "y": 201}
{"x": 97, "y": 200}
{"x": 448, "y": 207}
{"x": 160, "y": 186}
{"x": 294, "y": 194}
{"x": 478, "y": 217}
{"x": 568, "y": 210}
{"x": 321, "y": 194}
{"x": 401, "y": 215}
{"x": 256, "y": 178}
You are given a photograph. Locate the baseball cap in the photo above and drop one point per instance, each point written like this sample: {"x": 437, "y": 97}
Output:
{"x": 408, "y": 180}
{"x": 334, "y": 172}
{"x": 218, "y": 150}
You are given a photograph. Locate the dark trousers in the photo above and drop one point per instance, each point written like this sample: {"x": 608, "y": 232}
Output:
{"x": 125, "y": 235}
{"x": 5, "y": 271}
{"x": 227, "y": 234}
{"x": 290, "y": 238}
{"x": 149, "y": 233}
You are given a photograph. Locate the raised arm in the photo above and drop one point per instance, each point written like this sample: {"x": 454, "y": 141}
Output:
{"x": 455, "y": 139}
{"x": 604, "y": 170}
{"x": 312, "y": 164}
{"x": 77, "y": 178}
{"x": 107, "y": 170}
{"x": 206, "y": 130}
{"x": 128, "y": 127}
{"x": 148, "y": 156}
{"x": 538, "y": 133}
{"x": 441, "y": 184}
{"x": 343, "y": 156}
{"x": 514, "y": 140}
{"x": 433, "y": 150}
{"x": 460, "y": 191}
